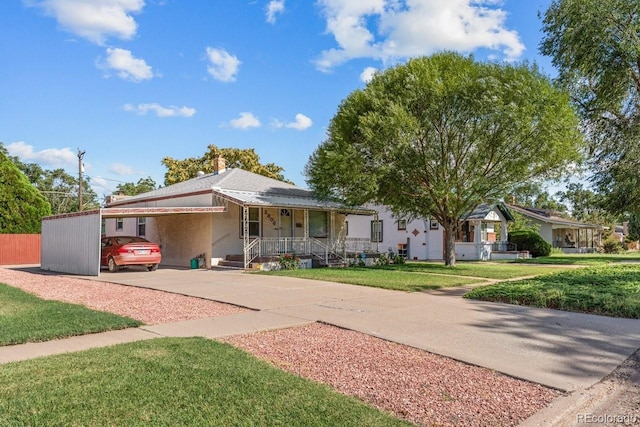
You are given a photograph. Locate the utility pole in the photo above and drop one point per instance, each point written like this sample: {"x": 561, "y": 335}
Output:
{"x": 80, "y": 170}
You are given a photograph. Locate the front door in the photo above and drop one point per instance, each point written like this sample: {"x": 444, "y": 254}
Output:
{"x": 286, "y": 223}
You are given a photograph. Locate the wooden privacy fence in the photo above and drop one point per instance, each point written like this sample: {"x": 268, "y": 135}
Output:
{"x": 17, "y": 249}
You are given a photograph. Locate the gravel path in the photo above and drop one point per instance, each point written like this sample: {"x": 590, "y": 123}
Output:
{"x": 421, "y": 387}
{"x": 149, "y": 306}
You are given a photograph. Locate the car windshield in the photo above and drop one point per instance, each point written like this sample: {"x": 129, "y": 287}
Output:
{"x": 129, "y": 239}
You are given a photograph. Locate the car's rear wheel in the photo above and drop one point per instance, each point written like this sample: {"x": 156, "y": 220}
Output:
{"x": 113, "y": 267}
{"x": 152, "y": 267}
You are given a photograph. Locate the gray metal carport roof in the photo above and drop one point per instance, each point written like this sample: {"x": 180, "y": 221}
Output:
{"x": 71, "y": 242}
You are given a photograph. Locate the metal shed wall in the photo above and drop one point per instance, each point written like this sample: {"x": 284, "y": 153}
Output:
{"x": 72, "y": 244}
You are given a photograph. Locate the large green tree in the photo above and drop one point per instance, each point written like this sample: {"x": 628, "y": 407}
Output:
{"x": 533, "y": 195}
{"x": 22, "y": 206}
{"x": 247, "y": 159}
{"x": 57, "y": 186}
{"x": 595, "y": 45}
{"x": 586, "y": 205}
{"x": 437, "y": 136}
{"x": 132, "y": 189}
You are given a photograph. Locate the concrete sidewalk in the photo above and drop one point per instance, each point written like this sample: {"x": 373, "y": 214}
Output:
{"x": 567, "y": 351}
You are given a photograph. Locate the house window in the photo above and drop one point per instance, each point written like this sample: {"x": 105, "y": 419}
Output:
{"x": 466, "y": 232}
{"x": 346, "y": 228}
{"x": 318, "y": 224}
{"x": 376, "y": 231}
{"x": 119, "y": 224}
{"x": 402, "y": 224}
{"x": 433, "y": 224}
{"x": 142, "y": 226}
{"x": 254, "y": 222}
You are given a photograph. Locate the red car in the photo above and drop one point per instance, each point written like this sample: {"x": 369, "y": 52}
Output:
{"x": 120, "y": 251}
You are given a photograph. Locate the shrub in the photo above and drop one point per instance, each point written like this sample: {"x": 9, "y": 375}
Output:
{"x": 529, "y": 240}
{"x": 289, "y": 262}
{"x": 398, "y": 259}
{"x": 384, "y": 259}
{"x": 612, "y": 246}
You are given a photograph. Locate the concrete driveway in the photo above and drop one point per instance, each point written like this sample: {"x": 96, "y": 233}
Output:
{"x": 567, "y": 351}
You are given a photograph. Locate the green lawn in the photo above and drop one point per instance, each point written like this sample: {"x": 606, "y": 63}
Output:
{"x": 396, "y": 279}
{"x": 171, "y": 382}
{"x": 584, "y": 259}
{"x": 27, "y": 318}
{"x": 606, "y": 290}
{"x": 417, "y": 276}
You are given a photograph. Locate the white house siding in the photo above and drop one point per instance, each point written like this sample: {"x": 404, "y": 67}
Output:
{"x": 434, "y": 242}
{"x": 129, "y": 227}
{"x": 72, "y": 244}
{"x": 422, "y": 243}
{"x": 546, "y": 231}
{"x": 225, "y": 237}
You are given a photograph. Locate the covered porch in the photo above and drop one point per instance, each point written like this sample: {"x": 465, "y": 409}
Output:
{"x": 484, "y": 235}
{"x": 316, "y": 236}
{"x": 578, "y": 239}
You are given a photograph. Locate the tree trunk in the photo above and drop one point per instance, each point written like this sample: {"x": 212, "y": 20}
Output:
{"x": 450, "y": 244}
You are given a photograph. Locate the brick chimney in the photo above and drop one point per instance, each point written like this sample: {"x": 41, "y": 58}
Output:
{"x": 219, "y": 165}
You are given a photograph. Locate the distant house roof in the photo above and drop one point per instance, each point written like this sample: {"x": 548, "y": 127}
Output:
{"x": 243, "y": 188}
{"x": 550, "y": 217}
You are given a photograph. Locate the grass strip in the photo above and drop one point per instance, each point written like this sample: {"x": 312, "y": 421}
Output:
{"x": 605, "y": 290}
{"x": 481, "y": 269}
{"x": 396, "y": 279}
{"x": 26, "y": 318}
{"x": 417, "y": 276}
{"x": 583, "y": 259}
{"x": 171, "y": 381}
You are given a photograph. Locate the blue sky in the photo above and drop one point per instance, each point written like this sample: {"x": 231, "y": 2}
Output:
{"x": 133, "y": 81}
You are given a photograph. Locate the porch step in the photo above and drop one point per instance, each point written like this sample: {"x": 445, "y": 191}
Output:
{"x": 334, "y": 263}
{"x": 231, "y": 263}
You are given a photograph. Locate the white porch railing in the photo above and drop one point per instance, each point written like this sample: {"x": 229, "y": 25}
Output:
{"x": 299, "y": 245}
{"x": 251, "y": 252}
{"x": 359, "y": 245}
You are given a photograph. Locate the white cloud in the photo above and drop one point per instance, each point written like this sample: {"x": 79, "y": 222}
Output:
{"x": 388, "y": 30}
{"x": 125, "y": 65}
{"x": 222, "y": 65}
{"x": 160, "y": 111}
{"x": 245, "y": 121}
{"x": 48, "y": 157}
{"x": 302, "y": 122}
{"x": 274, "y": 8}
{"x": 94, "y": 20}
{"x": 367, "y": 74}
{"x": 122, "y": 169}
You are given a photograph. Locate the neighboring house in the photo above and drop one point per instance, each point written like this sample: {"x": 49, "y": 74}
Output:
{"x": 621, "y": 232}
{"x": 569, "y": 235}
{"x": 257, "y": 219}
{"x": 482, "y": 236}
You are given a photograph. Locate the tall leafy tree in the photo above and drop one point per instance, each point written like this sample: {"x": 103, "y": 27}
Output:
{"x": 586, "y": 205}
{"x": 132, "y": 189}
{"x": 22, "y": 206}
{"x": 57, "y": 186}
{"x": 595, "y": 45}
{"x": 247, "y": 159}
{"x": 534, "y": 195}
{"x": 437, "y": 136}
